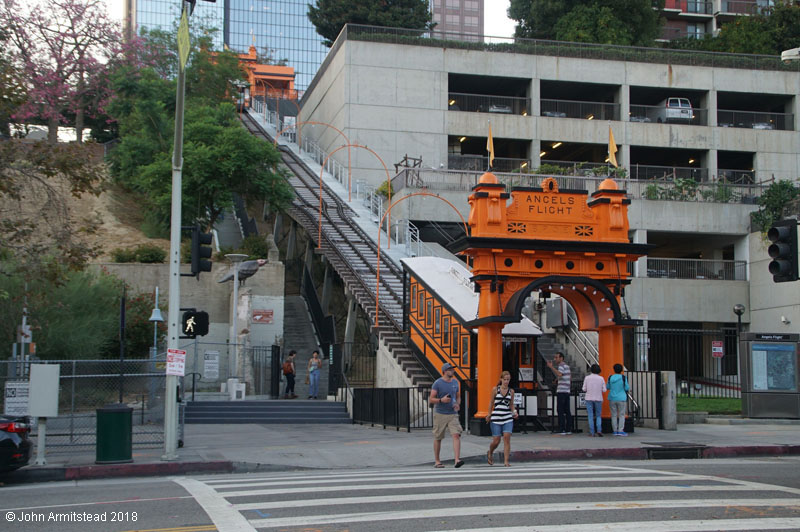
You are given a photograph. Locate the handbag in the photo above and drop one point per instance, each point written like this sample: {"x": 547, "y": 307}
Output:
{"x": 307, "y": 380}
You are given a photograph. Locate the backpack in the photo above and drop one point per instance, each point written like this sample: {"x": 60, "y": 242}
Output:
{"x": 624, "y": 381}
{"x": 287, "y": 368}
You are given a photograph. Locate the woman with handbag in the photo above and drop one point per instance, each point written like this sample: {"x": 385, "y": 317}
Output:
{"x": 502, "y": 413}
{"x": 314, "y": 368}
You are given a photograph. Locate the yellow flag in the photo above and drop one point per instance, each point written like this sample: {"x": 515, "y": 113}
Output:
{"x": 612, "y": 148}
{"x": 490, "y": 146}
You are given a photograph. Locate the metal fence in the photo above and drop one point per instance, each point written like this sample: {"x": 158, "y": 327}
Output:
{"x": 755, "y": 120}
{"x": 705, "y": 361}
{"x": 727, "y": 270}
{"x": 484, "y": 103}
{"x": 712, "y": 191}
{"x": 580, "y": 109}
{"x": 400, "y": 408}
{"x": 86, "y": 385}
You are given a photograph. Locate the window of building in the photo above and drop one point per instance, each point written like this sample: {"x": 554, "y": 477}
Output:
{"x": 465, "y": 350}
{"x": 429, "y": 313}
{"x": 413, "y": 297}
{"x": 455, "y": 340}
{"x": 437, "y": 321}
{"x": 446, "y": 330}
{"x": 420, "y": 301}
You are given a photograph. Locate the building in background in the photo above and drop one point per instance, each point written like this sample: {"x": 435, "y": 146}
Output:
{"x": 279, "y": 29}
{"x": 462, "y": 17}
{"x": 695, "y": 18}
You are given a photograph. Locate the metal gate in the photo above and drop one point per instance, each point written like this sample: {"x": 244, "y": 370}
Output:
{"x": 266, "y": 370}
{"x": 705, "y": 361}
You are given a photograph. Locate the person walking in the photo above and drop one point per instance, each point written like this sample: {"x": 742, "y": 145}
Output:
{"x": 594, "y": 386}
{"x": 314, "y": 367}
{"x": 618, "y": 389}
{"x": 289, "y": 371}
{"x": 446, "y": 400}
{"x": 564, "y": 375}
{"x": 501, "y": 416}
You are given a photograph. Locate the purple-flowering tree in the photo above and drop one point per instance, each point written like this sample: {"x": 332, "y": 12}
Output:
{"x": 61, "y": 47}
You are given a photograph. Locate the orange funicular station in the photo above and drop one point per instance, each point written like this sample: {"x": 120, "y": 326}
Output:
{"x": 553, "y": 241}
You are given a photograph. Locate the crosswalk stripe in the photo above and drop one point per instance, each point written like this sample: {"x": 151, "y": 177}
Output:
{"x": 440, "y": 484}
{"x": 701, "y": 525}
{"x": 413, "y": 470}
{"x": 299, "y": 521}
{"x": 483, "y": 494}
{"x": 224, "y": 517}
{"x": 471, "y": 473}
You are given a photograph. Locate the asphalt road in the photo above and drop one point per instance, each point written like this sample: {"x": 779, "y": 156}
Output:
{"x": 742, "y": 494}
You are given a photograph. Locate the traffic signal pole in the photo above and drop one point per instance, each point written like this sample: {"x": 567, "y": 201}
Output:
{"x": 173, "y": 314}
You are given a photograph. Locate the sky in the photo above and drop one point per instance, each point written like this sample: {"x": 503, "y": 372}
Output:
{"x": 496, "y": 23}
{"x": 495, "y": 19}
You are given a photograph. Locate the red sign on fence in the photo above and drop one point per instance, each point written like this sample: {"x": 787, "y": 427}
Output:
{"x": 717, "y": 349}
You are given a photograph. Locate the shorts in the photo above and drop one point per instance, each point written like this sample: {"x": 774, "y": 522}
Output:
{"x": 442, "y": 422}
{"x": 499, "y": 428}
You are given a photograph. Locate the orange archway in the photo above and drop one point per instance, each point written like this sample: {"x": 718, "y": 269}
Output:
{"x": 380, "y": 225}
{"x": 559, "y": 242}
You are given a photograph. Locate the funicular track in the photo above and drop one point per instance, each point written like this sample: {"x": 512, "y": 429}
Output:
{"x": 352, "y": 253}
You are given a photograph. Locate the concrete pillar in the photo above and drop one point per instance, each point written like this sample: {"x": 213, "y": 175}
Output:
{"x": 624, "y": 99}
{"x": 291, "y": 242}
{"x": 710, "y": 162}
{"x": 710, "y": 103}
{"x": 326, "y": 288}
{"x": 349, "y": 329}
{"x": 640, "y": 266}
{"x": 741, "y": 251}
{"x": 308, "y": 262}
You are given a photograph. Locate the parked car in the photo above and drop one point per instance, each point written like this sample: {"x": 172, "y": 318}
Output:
{"x": 500, "y": 108}
{"x": 763, "y": 125}
{"x": 15, "y": 446}
{"x": 557, "y": 114}
{"x": 673, "y": 109}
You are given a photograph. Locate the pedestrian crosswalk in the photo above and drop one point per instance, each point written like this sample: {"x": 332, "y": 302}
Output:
{"x": 565, "y": 496}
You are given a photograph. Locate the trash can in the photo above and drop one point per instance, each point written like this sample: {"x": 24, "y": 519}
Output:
{"x": 114, "y": 434}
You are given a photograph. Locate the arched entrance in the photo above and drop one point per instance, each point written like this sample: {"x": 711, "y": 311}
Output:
{"x": 567, "y": 243}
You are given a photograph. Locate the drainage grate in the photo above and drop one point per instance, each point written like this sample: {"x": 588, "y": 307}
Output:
{"x": 673, "y": 450}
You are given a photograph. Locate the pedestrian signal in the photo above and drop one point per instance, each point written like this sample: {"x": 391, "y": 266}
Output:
{"x": 194, "y": 323}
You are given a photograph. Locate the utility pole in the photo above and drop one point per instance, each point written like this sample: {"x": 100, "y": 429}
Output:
{"x": 173, "y": 314}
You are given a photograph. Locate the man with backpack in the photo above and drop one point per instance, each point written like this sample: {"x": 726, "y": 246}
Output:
{"x": 618, "y": 389}
{"x": 289, "y": 373}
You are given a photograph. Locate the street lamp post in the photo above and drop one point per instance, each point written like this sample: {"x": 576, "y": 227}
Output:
{"x": 738, "y": 309}
{"x": 236, "y": 259}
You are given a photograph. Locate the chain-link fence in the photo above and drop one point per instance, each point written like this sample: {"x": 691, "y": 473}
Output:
{"x": 86, "y": 385}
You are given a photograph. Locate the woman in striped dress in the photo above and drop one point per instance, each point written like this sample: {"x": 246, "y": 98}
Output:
{"x": 501, "y": 418}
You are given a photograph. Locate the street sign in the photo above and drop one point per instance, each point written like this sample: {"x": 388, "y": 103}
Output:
{"x": 176, "y": 362}
{"x": 17, "y": 393}
{"x": 263, "y": 316}
{"x": 183, "y": 40}
{"x": 717, "y": 349}
{"x": 211, "y": 365}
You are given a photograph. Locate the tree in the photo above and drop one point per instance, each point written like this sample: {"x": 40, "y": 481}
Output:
{"x": 38, "y": 232}
{"x": 59, "y": 47}
{"x": 12, "y": 93}
{"x": 330, "y": 16}
{"x": 626, "y": 22}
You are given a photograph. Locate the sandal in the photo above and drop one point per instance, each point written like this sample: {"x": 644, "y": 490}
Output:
{"x": 489, "y": 458}
{"x": 438, "y": 466}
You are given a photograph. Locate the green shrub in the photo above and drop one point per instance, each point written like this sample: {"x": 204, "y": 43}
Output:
{"x": 255, "y": 247}
{"x": 150, "y": 254}
{"x": 123, "y": 255}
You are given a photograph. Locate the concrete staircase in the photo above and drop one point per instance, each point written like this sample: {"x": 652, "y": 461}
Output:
{"x": 229, "y": 234}
{"x": 298, "y": 334}
{"x": 548, "y": 345}
{"x": 285, "y": 412}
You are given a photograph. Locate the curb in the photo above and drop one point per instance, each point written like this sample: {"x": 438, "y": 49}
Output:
{"x": 151, "y": 469}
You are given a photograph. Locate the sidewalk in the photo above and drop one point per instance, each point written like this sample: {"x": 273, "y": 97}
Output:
{"x": 249, "y": 448}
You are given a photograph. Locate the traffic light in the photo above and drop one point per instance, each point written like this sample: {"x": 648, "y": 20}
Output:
{"x": 194, "y": 323}
{"x": 200, "y": 251}
{"x": 783, "y": 251}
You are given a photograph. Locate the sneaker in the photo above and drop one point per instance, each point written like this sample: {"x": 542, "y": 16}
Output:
{"x": 622, "y": 434}
{"x": 565, "y": 433}
{"x": 568, "y": 432}
{"x": 599, "y": 434}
